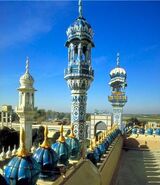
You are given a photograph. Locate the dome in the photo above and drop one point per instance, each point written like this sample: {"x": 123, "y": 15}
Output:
{"x": 118, "y": 70}
{"x": 2, "y": 180}
{"x": 80, "y": 29}
{"x": 61, "y": 148}
{"x": 73, "y": 144}
{"x": 22, "y": 169}
{"x": 26, "y": 80}
{"x": 46, "y": 157}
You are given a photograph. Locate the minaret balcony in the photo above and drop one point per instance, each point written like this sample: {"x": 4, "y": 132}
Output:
{"x": 117, "y": 99}
{"x": 78, "y": 73}
{"x": 25, "y": 109}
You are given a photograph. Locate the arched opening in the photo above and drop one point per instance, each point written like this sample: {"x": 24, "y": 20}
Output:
{"x": 99, "y": 127}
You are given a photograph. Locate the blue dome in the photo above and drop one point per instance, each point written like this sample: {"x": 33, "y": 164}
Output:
{"x": 134, "y": 130}
{"x": 102, "y": 148}
{"x": 80, "y": 29}
{"x": 22, "y": 171}
{"x": 141, "y": 131}
{"x": 149, "y": 131}
{"x": 97, "y": 154}
{"x": 61, "y": 148}
{"x": 92, "y": 157}
{"x": 73, "y": 144}
{"x": 47, "y": 158}
{"x": 158, "y": 131}
{"x": 2, "y": 180}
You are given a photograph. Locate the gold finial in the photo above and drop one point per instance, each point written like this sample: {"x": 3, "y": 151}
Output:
{"x": 45, "y": 143}
{"x": 91, "y": 147}
{"x": 104, "y": 135}
{"x": 22, "y": 152}
{"x": 99, "y": 138}
{"x": 94, "y": 142}
{"x": 72, "y": 135}
{"x": 61, "y": 138}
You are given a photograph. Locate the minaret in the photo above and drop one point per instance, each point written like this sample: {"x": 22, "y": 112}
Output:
{"x": 25, "y": 108}
{"x": 118, "y": 98}
{"x": 79, "y": 73}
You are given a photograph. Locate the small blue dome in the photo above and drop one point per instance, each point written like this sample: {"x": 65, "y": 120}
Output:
{"x": 2, "y": 180}
{"x": 102, "y": 148}
{"x": 61, "y": 148}
{"x": 158, "y": 131}
{"x": 134, "y": 130}
{"x": 141, "y": 131}
{"x": 22, "y": 171}
{"x": 97, "y": 154}
{"x": 73, "y": 144}
{"x": 48, "y": 159}
{"x": 149, "y": 131}
{"x": 92, "y": 157}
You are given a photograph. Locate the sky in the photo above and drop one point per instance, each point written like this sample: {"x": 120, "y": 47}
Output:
{"x": 38, "y": 30}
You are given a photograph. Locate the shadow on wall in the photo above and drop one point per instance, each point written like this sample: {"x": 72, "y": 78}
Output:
{"x": 132, "y": 143}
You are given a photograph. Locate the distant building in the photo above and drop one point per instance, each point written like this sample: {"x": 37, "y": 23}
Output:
{"x": 6, "y": 115}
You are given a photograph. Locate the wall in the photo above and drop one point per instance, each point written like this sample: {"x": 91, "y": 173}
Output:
{"x": 85, "y": 173}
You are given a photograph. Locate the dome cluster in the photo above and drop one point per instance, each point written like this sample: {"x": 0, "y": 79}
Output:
{"x": 98, "y": 148}
{"x": 25, "y": 169}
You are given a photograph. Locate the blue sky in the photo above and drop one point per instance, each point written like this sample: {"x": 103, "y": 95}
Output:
{"x": 38, "y": 30}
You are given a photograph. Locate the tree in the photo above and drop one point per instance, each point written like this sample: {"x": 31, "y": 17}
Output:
{"x": 9, "y": 137}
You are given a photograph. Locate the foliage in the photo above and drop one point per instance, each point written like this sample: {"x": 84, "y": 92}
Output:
{"x": 38, "y": 136}
{"x": 8, "y": 137}
{"x": 55, "y": 136}
{"x": 43, "y": 115}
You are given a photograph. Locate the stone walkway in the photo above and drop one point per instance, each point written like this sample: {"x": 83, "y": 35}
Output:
{"x": 139, "y": 168}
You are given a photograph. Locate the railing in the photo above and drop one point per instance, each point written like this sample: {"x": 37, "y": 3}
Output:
{"x": 117, "y": 98}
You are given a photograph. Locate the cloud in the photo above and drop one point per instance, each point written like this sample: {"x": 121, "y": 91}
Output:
{"x": 100, "y": 59}
{"x": 22, "y": 21}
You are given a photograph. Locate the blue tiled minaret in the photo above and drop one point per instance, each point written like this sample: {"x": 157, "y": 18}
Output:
{"x": 79, "y": 73}
{"x": 118, "y": 97}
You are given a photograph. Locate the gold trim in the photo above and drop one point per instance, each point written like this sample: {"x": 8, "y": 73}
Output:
{"x": 45, "y": 143}
{"x": 72, "y": 135}
{"x": 22, "y": 151}
{"x": 61, "y": 138}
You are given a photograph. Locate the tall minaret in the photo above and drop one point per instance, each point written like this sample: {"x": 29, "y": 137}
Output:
{"x": 25, "y": 108}
{"x": 79, "y": 73}
{"x": 118, "y": 98}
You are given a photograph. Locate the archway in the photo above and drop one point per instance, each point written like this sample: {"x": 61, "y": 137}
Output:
{"x": 99, "y": 127}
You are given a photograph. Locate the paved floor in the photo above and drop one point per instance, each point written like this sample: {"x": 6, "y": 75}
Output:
{"x": 139, "y": 168}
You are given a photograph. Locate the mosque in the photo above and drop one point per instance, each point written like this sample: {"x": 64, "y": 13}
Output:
{"x": 69, "y": 161}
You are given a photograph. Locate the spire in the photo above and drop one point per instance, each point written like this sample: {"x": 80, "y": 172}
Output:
{"x": 27, "y": 65}
{"x": 61, "y": 138}
{"x": 45, "y": 143}
{"x": 91, "y": 146}
{"x": 80, "y": 8}
{"x": 22, "y": 152}
{"x": 72, "y": 135}
{"x": 118, "y": 59}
